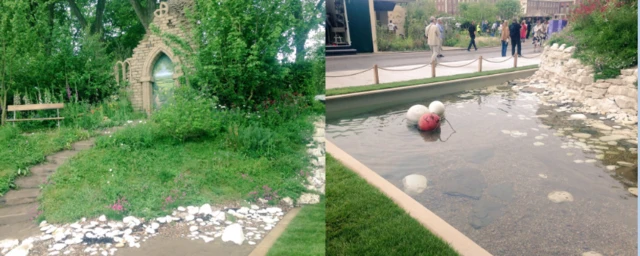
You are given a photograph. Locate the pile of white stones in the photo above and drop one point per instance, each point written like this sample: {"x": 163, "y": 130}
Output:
{"x": 316, "y": 181}
{"x": 102, "y": 237}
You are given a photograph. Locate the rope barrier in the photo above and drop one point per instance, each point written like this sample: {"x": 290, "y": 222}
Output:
{"x": 498, "y": 61}
{"x": 352, "y": 74}
{"x": 440, "y": 64}
{"x": 531, "y": 57}
{"x": 405, "y": 69}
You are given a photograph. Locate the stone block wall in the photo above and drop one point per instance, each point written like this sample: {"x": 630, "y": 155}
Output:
{"x": 169, "y": 19}
{"x": 573, "y": 81}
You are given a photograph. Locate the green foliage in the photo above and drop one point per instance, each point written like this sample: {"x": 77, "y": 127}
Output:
{"x": 190, "y": 115}
{"x": 508, "y": 9}
{"x": 477, "y": 12}
{"x": 607, "y": 40}
{"x": 114, "y": 111}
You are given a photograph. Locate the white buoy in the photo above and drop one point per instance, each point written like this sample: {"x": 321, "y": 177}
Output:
{"x": 415, "y": 112}
{"x": 437, "y": 108}
{"x": 414, "y": 184}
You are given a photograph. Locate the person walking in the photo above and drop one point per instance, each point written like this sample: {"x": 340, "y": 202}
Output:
{"x": 528, "y": 27}
{"x": 441, "y": 28}
{"x": 472, "y": 35}
{"x": 433, "y": 38}
{"x": 478, "y": 29}
{"x": 505, "y": 37}
{"x": 392, "y": 27}
{"x": 537, "y": 35}
{"x": 493, "y": 29}
{"x": 523, "y": 31}
{"x": 514, "y": 32}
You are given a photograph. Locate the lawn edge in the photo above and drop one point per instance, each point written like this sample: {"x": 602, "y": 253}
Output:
{"x": 458, "y": 241}
{"x": 269, "y": 241}
{"x": 368, "y": 88}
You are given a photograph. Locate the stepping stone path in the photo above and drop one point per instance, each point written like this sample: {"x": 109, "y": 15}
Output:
{"x": 239, "y": 225}
{"x": 18, "y": 207}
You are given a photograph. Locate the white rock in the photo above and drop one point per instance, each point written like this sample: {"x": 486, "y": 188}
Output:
{"x": 245, "y": 210}
{"x": 149, "y": 230}
{"x": 205, "y": 209}
{"x": 59, "y": 235}
{"x": 633, "y": 191}
{"x": 206, "y": 239}
{"x": 102, "y": 218}
{"x": 415, "y": 112}
{"x": 414, "y": 184}
{"x": 131, "y": 221}
{"x": 46, "y": 237}
{"x": 591, "y": 253}
{"x": 560, "y": 196}
{"x": 192, "y": 210}
{"x": 578, "y": 117}
{"x": 274, "y": 210}
{"x": 542, "y": 176}
{"x": 155, "y": 225}
{"x": 437, "y": 108}
{"x": 9, "y": 243}
{"x": 43, "y": 224}
{"x": 58, "y": 246}
{"x": 233, "y": 233}
{"x": 182, "y": 209}
{"x": 254, "y": 207}
{"x": 611, "y": 167}
{"x": 193, "y": 228}
{"x": 307, "y": 198}
{"x": 287, "y": 201}
{"x": 538, "y": 144}
{"x": 162, "y": 220}
{"x": 189, "y": 218}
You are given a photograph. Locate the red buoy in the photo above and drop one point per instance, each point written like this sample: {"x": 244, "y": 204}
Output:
{"x": 429, "y": 122}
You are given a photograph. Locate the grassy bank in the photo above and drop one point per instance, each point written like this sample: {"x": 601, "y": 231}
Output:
{"x": 305, "y": 235}
{"x": 365, "y": 88}
{"x": 191, "y": 152}
{"x": 20, "y": 150}
{"x": 363, "y": 221}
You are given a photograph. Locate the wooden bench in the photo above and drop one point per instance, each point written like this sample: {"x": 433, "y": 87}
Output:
{"x": 17, "y": 108}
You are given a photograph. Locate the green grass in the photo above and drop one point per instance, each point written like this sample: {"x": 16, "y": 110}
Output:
{"x": 363, "y": 221}
{"x": 365, "y": 88}
{"x": 20, "y": 151}
{"x": 305, "y": 235}
{"x": 481, "y": 41}
{"x": 149, "y": 173}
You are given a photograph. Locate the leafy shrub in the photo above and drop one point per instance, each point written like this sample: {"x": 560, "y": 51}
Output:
{"x": 8, "y": 132}
{"x": 137, "y": 137}
{"x": 189, "y": 115}
{"x": 605, "y": 33}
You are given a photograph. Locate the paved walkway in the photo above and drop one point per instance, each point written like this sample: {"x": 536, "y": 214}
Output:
{"x": 388, "y": 76}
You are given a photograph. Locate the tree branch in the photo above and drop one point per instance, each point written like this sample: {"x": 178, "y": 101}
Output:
{"x": 76, "y": 12}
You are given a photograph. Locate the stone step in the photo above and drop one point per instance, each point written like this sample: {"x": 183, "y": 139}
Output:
{"x": 82, "y": 145}
{"x": 21, "y": 196}
{"x": 46, "y": 168}
{"x": 33, "y": 181}
{"x": 61, "y": 157}
{"x": 17, "y": 213}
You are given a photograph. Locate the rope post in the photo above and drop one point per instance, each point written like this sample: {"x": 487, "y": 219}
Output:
{"x": 375, "y": 74}
{"x": 480, "y": 64}
{"x": 515, "y": 60}
{"x": 433, "y": 69}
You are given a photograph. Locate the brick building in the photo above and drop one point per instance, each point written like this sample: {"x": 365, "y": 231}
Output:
{"x": 548, "y": 8}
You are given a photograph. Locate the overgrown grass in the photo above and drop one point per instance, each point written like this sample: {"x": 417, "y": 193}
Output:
{"x": 363, "y": 221}
{"x": 305, "y": 235}
{"x": 481, "y": 41}
{"x": 365, "y": 88}
{"x": 191, "y": 152}
{"x": 19, "y": 151}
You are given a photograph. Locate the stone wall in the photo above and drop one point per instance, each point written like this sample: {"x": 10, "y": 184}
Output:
{"x": 137, "y": 70}
{"x": 570, "y": 80}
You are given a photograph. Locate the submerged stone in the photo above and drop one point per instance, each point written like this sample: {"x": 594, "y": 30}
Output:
{"x": 414, "y": 184}
{"x": 560, "y": 196}
{"x": 484, "y": 212}
{"x": 465, "y": 182}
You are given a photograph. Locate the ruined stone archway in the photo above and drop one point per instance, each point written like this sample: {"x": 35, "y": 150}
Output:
{"x": 169, "y": 18}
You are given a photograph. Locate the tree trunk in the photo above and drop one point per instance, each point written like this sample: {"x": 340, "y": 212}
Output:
{"x": 142, "y": 13}
{"x": 97, "y": 27}
{"x": 78, "y": 13}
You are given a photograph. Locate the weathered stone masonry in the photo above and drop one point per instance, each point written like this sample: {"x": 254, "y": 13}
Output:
{"x": 574, "y": 81}
{"x": 137, "y": 70}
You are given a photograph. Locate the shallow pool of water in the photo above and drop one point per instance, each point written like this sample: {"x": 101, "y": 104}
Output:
{"x": 492, "y": 170}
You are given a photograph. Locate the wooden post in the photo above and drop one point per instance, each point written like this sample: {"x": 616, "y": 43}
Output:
{"x": 480, "y": 64}
{"x": 433, "y": 69}
{"x": 375, "y": 74}
{"x": 515, "y": 60}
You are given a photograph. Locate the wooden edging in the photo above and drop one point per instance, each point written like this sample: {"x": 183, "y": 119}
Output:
{"x": 458, "y": 241}
{"x": 263, "y": 247}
